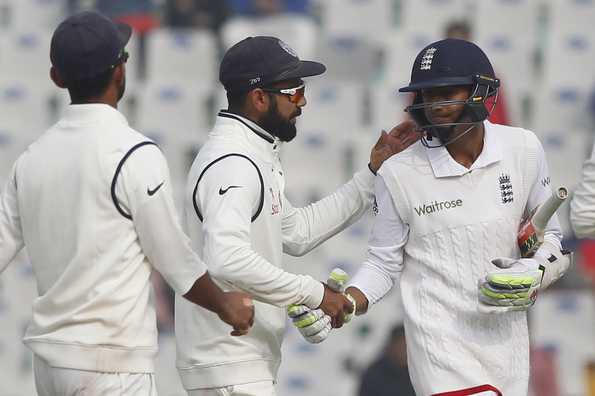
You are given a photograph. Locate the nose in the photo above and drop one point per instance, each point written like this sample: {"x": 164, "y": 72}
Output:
{"x": 302, "y": 102}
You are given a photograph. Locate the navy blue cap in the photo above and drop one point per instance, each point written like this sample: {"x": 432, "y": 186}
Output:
{"x": 87, "y": 44}
{"x": 259, "y": 61}
{"x": 448, "y": 62}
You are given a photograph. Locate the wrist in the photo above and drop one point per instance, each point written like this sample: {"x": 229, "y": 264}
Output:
{"x": 360, "y": 302}
{"x": 314, "y": 299}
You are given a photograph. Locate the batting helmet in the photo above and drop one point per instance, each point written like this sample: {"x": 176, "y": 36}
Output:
{"x": 452, "y": 62}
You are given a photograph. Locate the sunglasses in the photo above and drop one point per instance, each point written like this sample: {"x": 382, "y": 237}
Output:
{"x": 122, "y": 58}
{"x": 295, "y": 94}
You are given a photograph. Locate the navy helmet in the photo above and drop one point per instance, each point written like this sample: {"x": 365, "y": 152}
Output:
{"x": 452, "y": 62}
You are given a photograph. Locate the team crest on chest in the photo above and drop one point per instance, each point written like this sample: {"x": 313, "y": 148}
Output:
{"x": 506, "y": 192}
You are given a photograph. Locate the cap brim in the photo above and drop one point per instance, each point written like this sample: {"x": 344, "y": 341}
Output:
{"x": 125, "y": 32}
{"x": 303, "y": 69}
{"x": 437, "y": 83}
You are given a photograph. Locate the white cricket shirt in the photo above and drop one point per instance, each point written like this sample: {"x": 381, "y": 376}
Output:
{"x": 238, "y": 217}
{"x": 91, "y": 201}
{"x": 438, "y": 226}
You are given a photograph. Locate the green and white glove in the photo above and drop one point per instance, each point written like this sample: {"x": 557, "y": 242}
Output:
{"x": 512, "y": 287}
{"x": 313, "y": 324}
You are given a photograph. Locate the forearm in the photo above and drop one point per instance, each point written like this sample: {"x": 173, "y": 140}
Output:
{"x": 165, "y": 244}
{"x": 555, "y": 263}
{"x": 11, "y": 234}
{"x": 373, "y": 281}
{"x": 305, "y": 228}
{"x": 206, "y": 293}
{"x": 238, "y": 264}
{"x": 10, "y": 245}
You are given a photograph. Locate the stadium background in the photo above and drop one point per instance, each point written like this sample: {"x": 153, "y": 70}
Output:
{"x": 544, "y": 52}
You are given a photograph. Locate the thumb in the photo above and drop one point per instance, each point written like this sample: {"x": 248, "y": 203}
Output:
{"x": 503, "y": 262}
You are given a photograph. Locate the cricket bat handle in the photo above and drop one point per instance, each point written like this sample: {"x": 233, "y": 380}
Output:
{"x": 531, "y": 231}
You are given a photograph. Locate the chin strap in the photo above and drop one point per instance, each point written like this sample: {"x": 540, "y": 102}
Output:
{"x": 425, "y": 140}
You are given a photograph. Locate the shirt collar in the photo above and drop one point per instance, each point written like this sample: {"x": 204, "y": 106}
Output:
{"x": 92, "y": 112}
{"x": 258, "y": 137}
{"x": 444, "y": 165}
{"x": 254, "y": 127}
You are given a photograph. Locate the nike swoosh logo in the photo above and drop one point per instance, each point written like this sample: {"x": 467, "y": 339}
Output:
{"x": 153, "y": 191}
{"x": 223, "y": 191}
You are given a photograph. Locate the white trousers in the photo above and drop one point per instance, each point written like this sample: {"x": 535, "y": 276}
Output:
{"x": 263, "y": 388}
{"x": 54, "y": 381}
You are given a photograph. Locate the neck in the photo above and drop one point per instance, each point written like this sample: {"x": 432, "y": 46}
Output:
{"x": 466, "y": 149}
{"x": 112, "y": 103}
{"x": 249, "y": 115}
{"x": 242, "y": 113}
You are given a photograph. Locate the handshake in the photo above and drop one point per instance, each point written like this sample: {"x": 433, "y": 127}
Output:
{"x": 336, "y": 308}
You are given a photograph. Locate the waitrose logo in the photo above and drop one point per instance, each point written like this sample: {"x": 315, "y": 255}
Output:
{"x": 436, "y": 206}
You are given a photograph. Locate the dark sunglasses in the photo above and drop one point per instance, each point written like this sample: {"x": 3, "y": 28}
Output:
{"x": 122, "y": 58}
{"x": 295, "y": 94}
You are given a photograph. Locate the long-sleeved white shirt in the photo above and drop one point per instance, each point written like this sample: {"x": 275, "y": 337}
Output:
{"x": 438, "y": 226}
{"x": 238, "y": 217}
{"x": 389, "y": 233}
{"x": 582, "y": 206}
{"x": 91, "y": 201}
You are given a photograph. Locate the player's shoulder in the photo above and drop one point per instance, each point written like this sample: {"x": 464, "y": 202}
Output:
{"x": 413, "y": 156}
{"x": 514, "y": 136}
{"x": 224, "y": 160}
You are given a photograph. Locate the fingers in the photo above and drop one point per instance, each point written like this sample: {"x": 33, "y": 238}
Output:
{"x": 404, "y": 129}
{"x": 382, "y": 140}
{"x": 238, "y": 333}
{"x": 247, "y": 301}
{"x": 503, "y": 262}
{"x": 293, "y": 311}
{"x": 240, "y": 313}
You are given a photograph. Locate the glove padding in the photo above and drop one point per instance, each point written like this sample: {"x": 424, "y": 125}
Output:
{"x": 512, "y": 287}
{"x": 313, "y": 324}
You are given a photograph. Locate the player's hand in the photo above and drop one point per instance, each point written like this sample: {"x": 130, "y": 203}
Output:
{"x": 389, "y": 144}
{"x": 512, "y": 286}
{"x": 313, "y": 324}
{"x": 336, "y": 305}
{"x": 238, "y": 312}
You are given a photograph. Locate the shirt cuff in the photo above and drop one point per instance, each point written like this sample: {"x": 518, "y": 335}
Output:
{"x": 314, "y": 298}
{"x": 372, "y": 284}
{"x": 365, "y": 179}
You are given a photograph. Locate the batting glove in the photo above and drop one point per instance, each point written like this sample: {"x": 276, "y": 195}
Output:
{"x": 512, "y": 287}
{"x": 314, "y": 324}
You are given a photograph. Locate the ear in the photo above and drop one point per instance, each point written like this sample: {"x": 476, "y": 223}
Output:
{"x": 119, "y": 73}
{"x": 259, "y": 100}
{"x": 56, "y": 78}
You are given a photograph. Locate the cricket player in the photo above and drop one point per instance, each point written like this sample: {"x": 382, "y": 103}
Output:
{"x": 582, "y": 206}
{"x": 448, "y": 213}
{"x": 238, "y": 215}
{"x": 91, "y": 201}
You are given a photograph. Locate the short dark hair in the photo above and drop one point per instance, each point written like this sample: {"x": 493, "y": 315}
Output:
{"x": 236, "y": 100}
{"x": 82, "y": 90}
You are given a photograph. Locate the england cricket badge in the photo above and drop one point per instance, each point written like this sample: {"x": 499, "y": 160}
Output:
{"x": 506, "y": 192}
